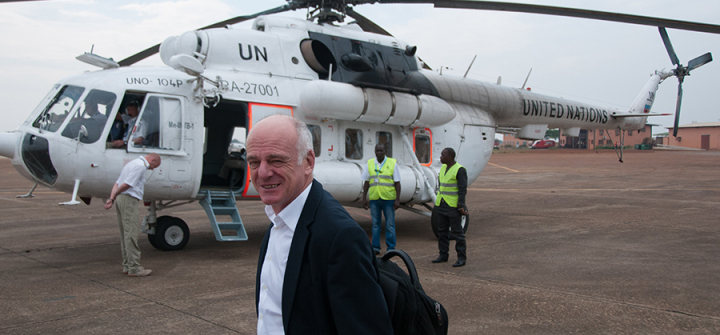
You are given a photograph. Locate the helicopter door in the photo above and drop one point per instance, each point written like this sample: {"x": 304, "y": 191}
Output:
{"x": 159, "y": 127}
{"x": 257, "y": 112}
{"x": 260, "y": 111}
{"x": 84, "y": 128}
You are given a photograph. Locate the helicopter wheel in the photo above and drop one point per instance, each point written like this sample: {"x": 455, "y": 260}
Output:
{"x": 151, "y": 239}
{"x": 464, "y": 222}
{"x": 171, "y": 233}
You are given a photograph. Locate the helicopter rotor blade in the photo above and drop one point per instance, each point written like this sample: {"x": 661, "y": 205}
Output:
{"x": 462, "y": 4}
{"x": 242, "y": 18}
{"x": 156, "y": 48}
{"x": 571, "y": 12}
{"x": 677, "y": 108}
{"x": 668, "y": 46}
{"x": 365, "y": 23}
{"x": 140, "y": 55}
{"x": 699, "y": 61}
{"x": 370, "y": 26}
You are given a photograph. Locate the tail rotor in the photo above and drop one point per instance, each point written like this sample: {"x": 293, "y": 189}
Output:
{"x": 681, "y": 71}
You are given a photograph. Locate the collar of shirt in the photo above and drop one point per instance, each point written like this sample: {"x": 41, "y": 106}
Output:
{"x": 290, "y": 215}
{"x": 145, "y": 162}
{"x": 378, "y": 168}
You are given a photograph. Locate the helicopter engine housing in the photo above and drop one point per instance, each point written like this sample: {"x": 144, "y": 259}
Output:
{"x": 333, "y": 100}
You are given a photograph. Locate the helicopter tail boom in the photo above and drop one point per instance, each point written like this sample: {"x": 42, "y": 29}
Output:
{"x": 643, "y": 102}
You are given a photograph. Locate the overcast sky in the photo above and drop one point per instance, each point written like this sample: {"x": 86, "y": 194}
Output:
{"x": 591, "y": 61}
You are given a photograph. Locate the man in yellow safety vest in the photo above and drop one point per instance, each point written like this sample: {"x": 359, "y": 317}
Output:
{"x": 450, "y": 206}
{"x": 382, "y": 187}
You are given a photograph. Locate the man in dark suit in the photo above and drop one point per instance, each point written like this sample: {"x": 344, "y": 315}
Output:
{"x": 316, "y": 270}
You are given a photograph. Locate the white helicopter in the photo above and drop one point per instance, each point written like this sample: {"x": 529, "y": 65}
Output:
{"x": 353, "y": 84}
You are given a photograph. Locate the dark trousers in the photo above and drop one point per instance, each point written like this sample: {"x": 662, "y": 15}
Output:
{"x": 449, "y": 217}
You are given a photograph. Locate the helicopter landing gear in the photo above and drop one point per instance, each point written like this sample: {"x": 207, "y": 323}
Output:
{"x": 464, "y": 222}
{"x": 171, "y": 233}
{"x": 29, "y": 194}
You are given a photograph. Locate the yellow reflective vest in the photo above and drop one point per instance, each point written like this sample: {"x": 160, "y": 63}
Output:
{"x": 448, "y": 185}
{"x": 382, "y": 184}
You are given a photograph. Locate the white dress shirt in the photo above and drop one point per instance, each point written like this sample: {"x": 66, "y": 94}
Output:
{"x": 133, "y": 174}
{"x": 131, "y": 125}
{"x": 272, "y": 275}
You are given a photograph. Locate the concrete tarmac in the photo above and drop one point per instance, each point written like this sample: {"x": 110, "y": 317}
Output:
{"x": 559, "y": 242}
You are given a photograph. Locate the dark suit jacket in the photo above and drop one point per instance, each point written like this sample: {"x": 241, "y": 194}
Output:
{"x": 331, "y": 280}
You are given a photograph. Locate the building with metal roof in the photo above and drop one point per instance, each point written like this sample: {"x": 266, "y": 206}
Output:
{"x": 696, "y": 135}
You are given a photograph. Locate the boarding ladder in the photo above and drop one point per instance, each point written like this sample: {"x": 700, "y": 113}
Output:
{"x": 222, "y": 203}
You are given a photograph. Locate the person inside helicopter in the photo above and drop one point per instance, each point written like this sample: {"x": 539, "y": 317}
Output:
{"x": 147, "y": 130}
{"x": 91, "y": 117}
{"x": 132, "y": 110}
{"x": 118, "y": 129}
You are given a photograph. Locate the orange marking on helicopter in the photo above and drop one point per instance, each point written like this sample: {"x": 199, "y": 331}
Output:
{"x": 428, "y": 132}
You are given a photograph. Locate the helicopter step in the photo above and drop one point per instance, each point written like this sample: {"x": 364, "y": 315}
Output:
{"x": 223, "y": 203}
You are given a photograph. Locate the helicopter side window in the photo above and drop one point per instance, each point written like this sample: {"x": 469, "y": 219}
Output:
{"x": 59, "y": 108}
{"x": 353, "y": 143}
{"x": 90, "y": 118}
{"x": 385, "y": 138}
{"x": 159, "y": 125}
{"x": 422, "y": 148}
{"x": 316, "y": 138}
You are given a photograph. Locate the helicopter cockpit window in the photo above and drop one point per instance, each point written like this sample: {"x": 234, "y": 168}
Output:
{"x": 159, "y": 125}
{"x": 58, "y": 109}
{"x": 353, "y": 144}
{"x": 385, "y": 138}
{"x": 316, "y": 138}
{"x": 90, "y": 118}
{"x": 422, "y": 148}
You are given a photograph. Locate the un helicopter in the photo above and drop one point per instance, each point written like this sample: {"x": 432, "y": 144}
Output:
{"x": 353, "y": 84}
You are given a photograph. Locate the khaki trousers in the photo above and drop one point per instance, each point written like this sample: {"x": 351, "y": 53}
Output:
{"x": 129, "y": 221}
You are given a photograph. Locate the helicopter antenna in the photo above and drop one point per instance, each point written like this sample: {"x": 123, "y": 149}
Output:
{"x": 471, "y": 64}
{"x": 526, "y": 79}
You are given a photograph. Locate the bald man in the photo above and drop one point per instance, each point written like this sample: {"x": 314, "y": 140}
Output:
{"x": 128, "y": 192}
{"x": 316, "y": 271}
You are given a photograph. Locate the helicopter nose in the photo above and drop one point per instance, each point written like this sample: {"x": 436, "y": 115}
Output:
{"x": 8, "y": 144}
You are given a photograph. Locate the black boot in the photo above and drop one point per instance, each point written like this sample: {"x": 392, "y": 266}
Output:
{"x": 440, "y": 259}
{"x": 460, "y": 262}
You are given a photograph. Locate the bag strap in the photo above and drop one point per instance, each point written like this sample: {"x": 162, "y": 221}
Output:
{"x": 408, "y": 263}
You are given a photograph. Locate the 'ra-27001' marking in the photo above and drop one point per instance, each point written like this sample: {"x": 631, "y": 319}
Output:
{"x": 252, "y": 88}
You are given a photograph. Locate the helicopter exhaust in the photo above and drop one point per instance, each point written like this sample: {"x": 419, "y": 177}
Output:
{"x": 8, "y": 143}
